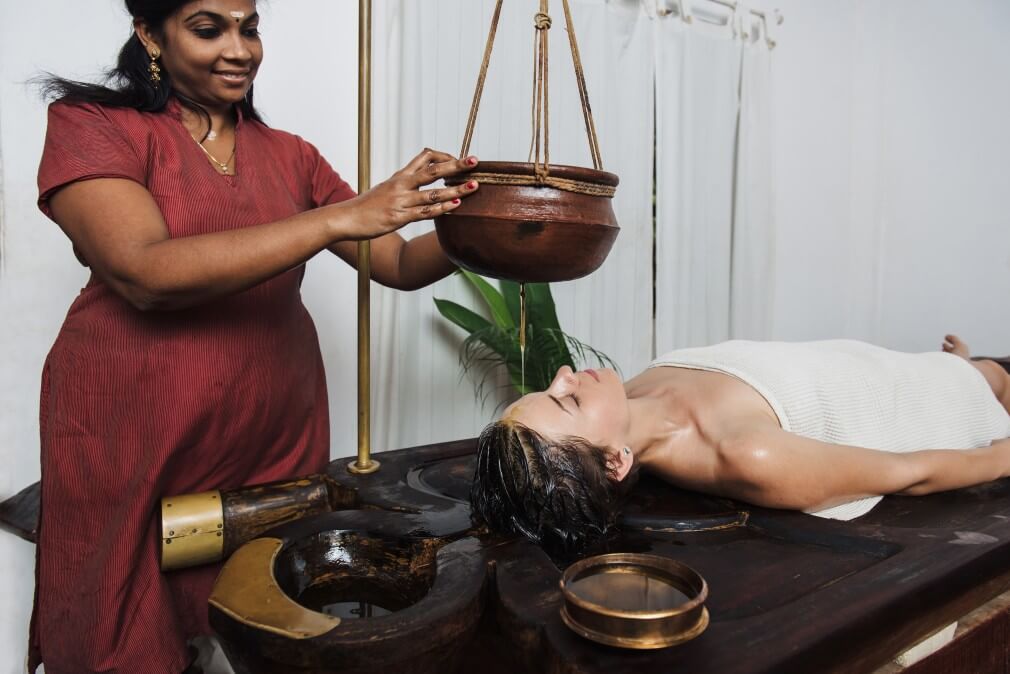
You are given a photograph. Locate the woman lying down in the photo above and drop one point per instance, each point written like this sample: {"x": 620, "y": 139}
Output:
{"x": 824, "y": 427}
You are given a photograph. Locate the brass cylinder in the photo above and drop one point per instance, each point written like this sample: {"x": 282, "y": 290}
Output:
{"x": 208, "y": 527}
{"x": 192, "y": 530}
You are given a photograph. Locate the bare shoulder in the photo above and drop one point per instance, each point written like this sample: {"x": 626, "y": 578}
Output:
{"x": 743, "y": 463}
{"x": 751, "y": 457}
{"x": 774, "y": 468}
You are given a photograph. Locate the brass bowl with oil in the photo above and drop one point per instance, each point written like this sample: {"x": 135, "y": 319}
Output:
{"x": 528, "y": 227}
{"x": 631, "y": 600}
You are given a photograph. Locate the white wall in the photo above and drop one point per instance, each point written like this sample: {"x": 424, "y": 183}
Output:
{"x": 891, "y": 170}
{"x": 39, "y": 277}
{"x": 308, "y": 41}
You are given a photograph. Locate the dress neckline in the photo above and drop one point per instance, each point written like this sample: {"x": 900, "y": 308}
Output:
{"x": 174, "y": 108}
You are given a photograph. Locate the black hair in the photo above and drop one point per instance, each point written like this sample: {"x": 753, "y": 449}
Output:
{"x": 128, "y": 84}
{"x": 561, "y": 494}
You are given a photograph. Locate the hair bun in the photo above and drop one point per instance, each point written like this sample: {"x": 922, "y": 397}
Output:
{"x": 153, "y": 10}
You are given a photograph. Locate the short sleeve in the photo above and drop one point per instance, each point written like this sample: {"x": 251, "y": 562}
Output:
{"x": 83, "y": 143}
{"x": 327, "y": 185}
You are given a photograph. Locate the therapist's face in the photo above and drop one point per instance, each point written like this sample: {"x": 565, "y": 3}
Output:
{"x": 211, "y": 49}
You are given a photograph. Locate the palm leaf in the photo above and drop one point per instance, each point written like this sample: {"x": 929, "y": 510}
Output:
{"x": 491, "y": 346}
{"x": 540, "y": 306}
{"x": 496, "y": 303}
{"x": 487, "y": 351}
{"x": 461, "y": 316}
{"x": 510, "y": 291}
{"x": 587, "y": 355}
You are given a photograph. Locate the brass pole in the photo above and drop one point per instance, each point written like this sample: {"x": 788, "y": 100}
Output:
{"x": 364, "y": 463}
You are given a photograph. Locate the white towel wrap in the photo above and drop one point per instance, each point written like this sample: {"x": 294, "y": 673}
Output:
{"x": 852, "y": 393}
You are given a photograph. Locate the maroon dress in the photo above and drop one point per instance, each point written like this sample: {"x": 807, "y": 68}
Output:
{"x": 136, "y": 406}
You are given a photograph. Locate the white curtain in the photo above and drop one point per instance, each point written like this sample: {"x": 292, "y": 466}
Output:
{"x": 427, "y": 58}
{"x": 714, "y": 223}
{"x": 3, "y": 209}
{"x": 754, "y": 233}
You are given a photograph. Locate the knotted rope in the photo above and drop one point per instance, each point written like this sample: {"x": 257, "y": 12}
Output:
{"x": 542, "y": 22}
{"x": 539, "y": 154}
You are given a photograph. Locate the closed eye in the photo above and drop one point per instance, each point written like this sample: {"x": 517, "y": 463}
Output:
{"x": 558, "y": 403}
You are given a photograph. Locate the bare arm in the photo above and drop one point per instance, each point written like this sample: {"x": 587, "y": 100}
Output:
{"x": 401, "y": 264}
{"x": 778, "y": 469}
{"x": 119, "y": 230}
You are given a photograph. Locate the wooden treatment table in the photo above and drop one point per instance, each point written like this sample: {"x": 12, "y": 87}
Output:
{"x": 788, "y": 592}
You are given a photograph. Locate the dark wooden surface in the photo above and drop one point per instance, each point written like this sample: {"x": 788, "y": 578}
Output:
{"x": 20, "y": 513}
{"x": 788, "y": 592}
{"x": 249, "y": 511}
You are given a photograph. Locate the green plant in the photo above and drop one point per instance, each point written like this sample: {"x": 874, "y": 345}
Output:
{"x": 494, "y": 343}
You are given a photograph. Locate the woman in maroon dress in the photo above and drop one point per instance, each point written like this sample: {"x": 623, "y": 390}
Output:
{"x": 189, "y": 361}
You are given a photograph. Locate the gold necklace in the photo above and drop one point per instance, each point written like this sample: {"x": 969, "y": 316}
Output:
{"x": 220, "y": 164}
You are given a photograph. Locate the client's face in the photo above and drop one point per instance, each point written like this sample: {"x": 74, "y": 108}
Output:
{"x": 590, "y": 404}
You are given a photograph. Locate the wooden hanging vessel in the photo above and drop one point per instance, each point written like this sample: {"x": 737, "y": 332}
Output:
{"x": 533, "y": 221}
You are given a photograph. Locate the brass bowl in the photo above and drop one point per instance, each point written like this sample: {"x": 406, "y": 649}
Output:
{"x": 634, "y": 600}
{"x": 516, "y": 228}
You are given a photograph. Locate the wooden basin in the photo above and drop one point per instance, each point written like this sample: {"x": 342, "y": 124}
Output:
{"x": 528, "y": 231}
{"x": 317, "y": 600}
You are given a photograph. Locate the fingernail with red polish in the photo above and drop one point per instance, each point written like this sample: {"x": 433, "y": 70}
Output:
{"x": 471, "y": 185}
{"x": 455, "y": 201}
{"x": 471, "y": 161}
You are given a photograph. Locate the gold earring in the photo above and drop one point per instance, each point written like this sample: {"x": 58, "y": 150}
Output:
{"x": 153, "y": 67}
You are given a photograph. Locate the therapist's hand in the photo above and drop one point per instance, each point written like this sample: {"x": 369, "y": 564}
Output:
{"x": 400, "y": 199}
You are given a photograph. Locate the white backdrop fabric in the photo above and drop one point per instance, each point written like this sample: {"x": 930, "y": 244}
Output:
{"x": 714, "y": 221}
{"x": 753, "y": 266}
{"x": 427, "y": 60}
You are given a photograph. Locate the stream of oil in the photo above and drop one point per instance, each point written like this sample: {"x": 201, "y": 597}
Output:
{"x": 522, "y": 333}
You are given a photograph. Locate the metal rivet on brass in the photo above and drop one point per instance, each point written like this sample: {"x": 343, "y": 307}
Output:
{"x": 220, "y": 534}
{"x": 168, "y": 505}
{"x": 168, "y": 541}
{"x": 194, "y": 531}
{"x": 171, "y": 533}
